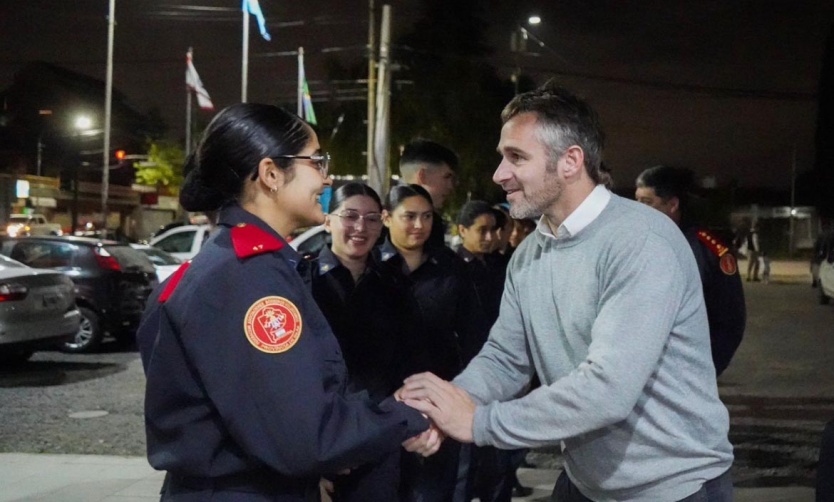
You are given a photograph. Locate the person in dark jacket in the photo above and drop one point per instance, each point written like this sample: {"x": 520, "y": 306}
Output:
{"x": 668, "y": 189}
{"x": 370, "y": 314}
{"x": 245, "y": 396}
{"x": 449, "y": 331}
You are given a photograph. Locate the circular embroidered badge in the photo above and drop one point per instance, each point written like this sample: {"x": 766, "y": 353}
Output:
{"x": 728, "y": 264}
{"x": 272, "y": 324}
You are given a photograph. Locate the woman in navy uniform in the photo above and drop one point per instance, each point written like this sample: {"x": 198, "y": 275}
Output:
{"x": 245, "y": 397}
{"x": 369, "y": 312}
{"x": 450, "y": 327}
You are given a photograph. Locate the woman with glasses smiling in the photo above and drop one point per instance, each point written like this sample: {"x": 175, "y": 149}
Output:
{"x": 369, "y": 313}
{"x": 246, "y": 396}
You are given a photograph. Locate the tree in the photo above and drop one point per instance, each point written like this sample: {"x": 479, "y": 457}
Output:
{"x": 163, "y": 167}
{"x": 456, "y": 97}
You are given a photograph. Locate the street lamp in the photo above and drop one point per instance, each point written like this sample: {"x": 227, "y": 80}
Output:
{"x": 82, "y": 124}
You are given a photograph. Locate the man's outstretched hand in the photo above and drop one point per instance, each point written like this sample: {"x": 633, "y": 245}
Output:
{"x": 450, "y": 408}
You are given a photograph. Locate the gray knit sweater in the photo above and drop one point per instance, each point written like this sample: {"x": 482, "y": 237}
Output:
{"x": 613, "y": 322}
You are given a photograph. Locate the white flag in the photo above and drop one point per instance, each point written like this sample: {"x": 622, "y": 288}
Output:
{"x": 193, "y": 82}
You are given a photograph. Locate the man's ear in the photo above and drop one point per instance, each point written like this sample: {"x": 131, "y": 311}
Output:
{"x": 574, "y": 161}
{"x": 461, "y": 230}
{"x": 386, "y": 218}
{"x": 421, "y": 175}
{"x": 674, "y": 204}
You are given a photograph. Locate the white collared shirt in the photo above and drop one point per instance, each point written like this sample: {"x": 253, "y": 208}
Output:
{"x": 581, "y": 217}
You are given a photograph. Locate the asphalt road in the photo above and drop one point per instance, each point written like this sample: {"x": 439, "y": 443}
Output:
{"x": 779, "y": 390}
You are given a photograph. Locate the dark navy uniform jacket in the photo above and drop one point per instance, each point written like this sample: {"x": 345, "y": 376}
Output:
{"x": 371, "y": 319}
{"x": 488, "y": 276}
{"x": 245, "y": 380}
{"x": 452, "y": 327}
{"x": 723, "y": 294}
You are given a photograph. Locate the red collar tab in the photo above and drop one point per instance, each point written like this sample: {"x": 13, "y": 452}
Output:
{"x": 172, "y": 284}
{"x": 251, "y": 240}
{"x": 716, "y": 246}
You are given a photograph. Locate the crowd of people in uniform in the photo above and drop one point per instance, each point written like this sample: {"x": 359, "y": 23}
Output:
{"x": 393, "y": 368}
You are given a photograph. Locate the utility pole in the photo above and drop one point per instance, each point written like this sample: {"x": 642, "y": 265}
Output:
{"x": 108, "y": 101}
{"x": 792, "y": 222}
{"x": 371, "y": 160}
{"x": 382, "y": 138}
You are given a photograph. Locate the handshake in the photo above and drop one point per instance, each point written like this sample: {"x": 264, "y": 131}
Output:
{"x": 450, "y": 410}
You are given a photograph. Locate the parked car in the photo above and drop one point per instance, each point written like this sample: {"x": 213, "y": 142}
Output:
{"x": 31, "y": 224}
{"x": 164, "y": 263}
{"x": 112, "y": 282}
{"x": 37, "y": 310}
{"x": 183, "y": 241}
{"x": 310, "y": 242}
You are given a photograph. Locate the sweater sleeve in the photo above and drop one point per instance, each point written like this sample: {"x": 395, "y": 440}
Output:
{"x": 642, "y": 289}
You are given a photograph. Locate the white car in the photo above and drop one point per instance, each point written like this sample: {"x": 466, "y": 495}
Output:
{"x": 164, "y": 263}
{"x": 183, "y": 241}
{"x": 826, "y": 285}
{"x": 310, "y": 242}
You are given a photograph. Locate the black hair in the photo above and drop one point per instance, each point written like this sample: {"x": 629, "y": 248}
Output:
{"x": 423, "y": 151}
{"x": 399, "y": 193}
{"x": 351, "y": 189}
{"x": 472, "y": 210}
{"x": 668, "y": 182}
{"x": 500, "y": 217}
{"x": 564, "y": 120}
{"x": 232, "y": 147}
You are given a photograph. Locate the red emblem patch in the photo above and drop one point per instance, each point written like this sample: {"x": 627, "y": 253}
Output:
{"x": 728, "y": 264}
{"x": 272, "y": 324}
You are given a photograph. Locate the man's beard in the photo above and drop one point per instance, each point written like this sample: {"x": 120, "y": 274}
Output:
{"x": 539, "y": 201}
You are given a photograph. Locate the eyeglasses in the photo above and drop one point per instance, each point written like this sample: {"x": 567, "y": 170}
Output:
{"x": 322, "y": 161}
{"x": 351, "y": 218}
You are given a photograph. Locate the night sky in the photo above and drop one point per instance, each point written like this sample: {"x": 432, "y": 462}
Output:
{"x": 727, "y": 88}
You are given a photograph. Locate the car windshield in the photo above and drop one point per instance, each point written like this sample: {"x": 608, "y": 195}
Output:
{"x": 129, "y": 258}
{"x": 160, "y": 257}
{"x": 18, "y": 219}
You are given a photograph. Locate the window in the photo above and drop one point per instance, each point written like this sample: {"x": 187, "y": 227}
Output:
{"x": 179, "y": 242}
{"x": 44, "y": 254}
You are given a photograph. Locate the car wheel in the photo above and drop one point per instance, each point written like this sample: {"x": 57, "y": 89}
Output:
{"x": 89, "y": 335}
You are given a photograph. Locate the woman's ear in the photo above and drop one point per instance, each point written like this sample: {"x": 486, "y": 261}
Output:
{"x": 270, "y": 174}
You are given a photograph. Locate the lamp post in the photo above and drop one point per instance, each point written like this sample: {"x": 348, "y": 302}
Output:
{"x": 82, "y": 124}
{"x": 518, "y": 45}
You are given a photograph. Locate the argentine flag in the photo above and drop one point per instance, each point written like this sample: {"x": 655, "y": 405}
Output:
{"x": 254, "y": 8}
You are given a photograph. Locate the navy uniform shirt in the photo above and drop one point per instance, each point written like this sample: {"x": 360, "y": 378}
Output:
{"x": 488, "y": 276}
{"x": 452, "y": 327}
{"x": 371, "y": 319}
{"x": 723, "y": 294}
{"x": 244, "y": 376}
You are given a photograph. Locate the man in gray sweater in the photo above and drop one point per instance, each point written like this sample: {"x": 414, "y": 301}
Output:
{"x": 604, "y": 303}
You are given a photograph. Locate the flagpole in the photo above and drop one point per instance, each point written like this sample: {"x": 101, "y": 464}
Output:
{"x": 188, "y": 110}
{"x": 300, "y": 106}
{"x": 244, "y": 74}
{"x": 108, "y": 102}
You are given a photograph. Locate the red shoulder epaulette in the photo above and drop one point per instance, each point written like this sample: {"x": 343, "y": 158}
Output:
{"x": 713, "y": 243}
{"x": 172, "y": 283}
{"x": 250, "y": 240}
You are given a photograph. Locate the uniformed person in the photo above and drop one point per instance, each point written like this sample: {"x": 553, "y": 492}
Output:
{"x": 371, "y": 315}
{"x": 451, "y": 326}
{"x": 667, "y": 189}
{"x": 245, "y": 397}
